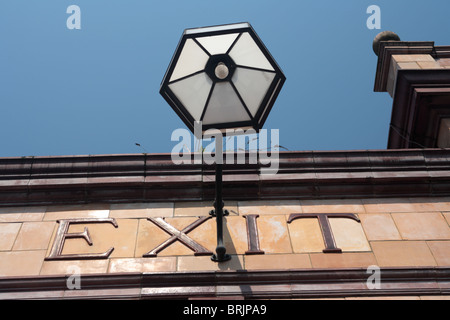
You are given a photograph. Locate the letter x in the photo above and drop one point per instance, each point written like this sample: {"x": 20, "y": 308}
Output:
{"x": 181, "y": 236}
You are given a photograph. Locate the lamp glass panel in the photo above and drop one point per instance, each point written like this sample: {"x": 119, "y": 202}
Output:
{"x": 224, "y": 106}
{"x": 192, "y": 59}
{"x": 218, "y": 44}
{"x": 278, "y": 82}
{"x": 193, "y": 93}
{"x": 247, "y": 53}
{"x": 218, "y": 28}
{"x": 252, "y": 86}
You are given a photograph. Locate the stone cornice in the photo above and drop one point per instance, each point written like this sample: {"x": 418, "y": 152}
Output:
{"x": 301, "y": 283}
{"x": 154, "y": 177}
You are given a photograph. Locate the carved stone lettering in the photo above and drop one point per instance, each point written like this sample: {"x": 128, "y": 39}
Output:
{"x": 181, "y": 236}
{"x": 252, "y": 235}
{"x": 327, "y": 234}
{"x": 62, "y": 234}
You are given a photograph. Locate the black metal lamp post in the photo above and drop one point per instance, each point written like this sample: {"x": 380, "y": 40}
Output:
{"x": 224, "y": 77}
{"x": 219, "y": 213}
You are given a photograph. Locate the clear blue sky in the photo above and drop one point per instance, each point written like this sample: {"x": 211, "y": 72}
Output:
{"x": 96, "y": 90}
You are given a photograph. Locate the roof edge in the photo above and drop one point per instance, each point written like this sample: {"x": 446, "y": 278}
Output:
{"x": 155, "y": 178}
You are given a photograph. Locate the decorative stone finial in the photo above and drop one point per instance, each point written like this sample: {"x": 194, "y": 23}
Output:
{"x": 383, "y": 36}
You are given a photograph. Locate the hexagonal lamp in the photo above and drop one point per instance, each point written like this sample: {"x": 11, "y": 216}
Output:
{"x": 222, "y": 76}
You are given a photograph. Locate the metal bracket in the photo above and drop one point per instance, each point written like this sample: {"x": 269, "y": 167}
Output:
{"x": 212, "y": 213}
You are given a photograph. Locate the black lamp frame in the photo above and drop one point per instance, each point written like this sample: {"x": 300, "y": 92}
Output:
{"x": 256, "y": 122}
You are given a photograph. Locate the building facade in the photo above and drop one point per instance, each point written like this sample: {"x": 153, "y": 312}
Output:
{"x": 337, "y": 224}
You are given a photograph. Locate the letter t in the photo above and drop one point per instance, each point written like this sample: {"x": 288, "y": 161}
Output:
{"x": 327, "y": 234}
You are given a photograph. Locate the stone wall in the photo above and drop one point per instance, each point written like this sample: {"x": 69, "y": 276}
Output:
{"x": 394, "y": 232}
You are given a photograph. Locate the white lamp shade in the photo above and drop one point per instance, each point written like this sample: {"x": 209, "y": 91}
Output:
{"x": 223, "y": 76}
